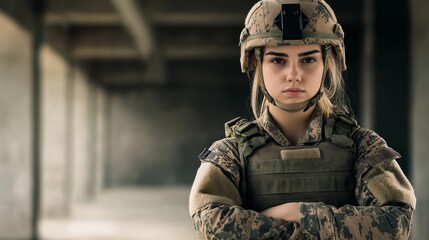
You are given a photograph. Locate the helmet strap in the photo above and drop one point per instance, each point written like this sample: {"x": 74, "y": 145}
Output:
{"x": 294, "y": 107}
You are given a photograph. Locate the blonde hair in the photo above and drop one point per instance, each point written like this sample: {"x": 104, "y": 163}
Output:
{"x": 333, "y": 90}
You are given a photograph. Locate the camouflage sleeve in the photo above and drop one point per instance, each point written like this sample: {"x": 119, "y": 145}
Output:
{"x": 215, "y": 201}
{"x": 385, "y": 198}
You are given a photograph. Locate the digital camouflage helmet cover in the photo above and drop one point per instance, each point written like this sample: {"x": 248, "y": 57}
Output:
{"x": 288, "y": 22}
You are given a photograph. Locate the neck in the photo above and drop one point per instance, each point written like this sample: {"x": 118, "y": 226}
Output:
{"x": 291, "y": 124}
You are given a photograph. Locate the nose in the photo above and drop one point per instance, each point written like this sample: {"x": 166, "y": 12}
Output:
{"x": 293, "y": 73}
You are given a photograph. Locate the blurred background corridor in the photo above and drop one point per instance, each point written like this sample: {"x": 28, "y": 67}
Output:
{"x": 106, "y": 104}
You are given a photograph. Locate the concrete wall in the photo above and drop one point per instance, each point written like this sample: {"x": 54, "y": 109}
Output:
{"x": 420, "y": 115}
{"x": 157, "y": 133}
{"x": 15, "y": 131}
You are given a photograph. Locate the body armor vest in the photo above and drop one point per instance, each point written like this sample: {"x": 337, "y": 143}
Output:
{"x": 273, "y": 175}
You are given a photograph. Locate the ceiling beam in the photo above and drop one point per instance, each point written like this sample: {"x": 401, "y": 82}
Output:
{"x": 82, "y": 19}
{"x": 198, "y": 19}
{"x": 80, "y": 12}
{"x": 133, "y": 72}
{"x": 92, "y": 43}
{"x": 101, "y": 52}
{"x": 200, "y": 52}
{"x": 104, "y": 53}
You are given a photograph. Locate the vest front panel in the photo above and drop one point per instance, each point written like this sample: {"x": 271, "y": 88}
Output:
{"x": 318, "y": 173}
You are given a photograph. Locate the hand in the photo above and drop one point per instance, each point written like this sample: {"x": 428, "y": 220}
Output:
{"x": 287, "y": 211}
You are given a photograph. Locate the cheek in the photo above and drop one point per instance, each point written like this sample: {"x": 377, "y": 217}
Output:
{"x": 270, "y": 73}
{"x": 266, "y": 70}
{"x": 316, "y": 76}
{"x": 270, "y": 78}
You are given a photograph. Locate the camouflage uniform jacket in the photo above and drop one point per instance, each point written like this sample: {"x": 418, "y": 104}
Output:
{"x": 385, "y": 198}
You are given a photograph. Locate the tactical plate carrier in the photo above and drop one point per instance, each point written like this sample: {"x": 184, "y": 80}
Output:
{"x": 272, "y": 174}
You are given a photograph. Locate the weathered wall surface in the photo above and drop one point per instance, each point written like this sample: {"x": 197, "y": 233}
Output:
{"x": 157, "y": 134}
{"x": 15, "y": 131}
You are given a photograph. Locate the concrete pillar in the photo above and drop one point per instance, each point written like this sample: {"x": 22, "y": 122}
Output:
{"x": 82, "y": 145}
{"x": 420, "y": 114}
{"x": 54, "y": 75}
{"x": 108, "y": 143}
{"x": 367, "y": 81}
{"x": 100, "y": 136}
{"x": 15, "y": 131}
{"x": 92, "y": 139}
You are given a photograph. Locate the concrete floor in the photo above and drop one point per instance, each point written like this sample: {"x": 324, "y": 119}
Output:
{"x": 127, "y": 214}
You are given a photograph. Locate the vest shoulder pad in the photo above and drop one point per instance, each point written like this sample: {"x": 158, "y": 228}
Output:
{"x": 339, "y": 129}
{"x": 242, "y": 129}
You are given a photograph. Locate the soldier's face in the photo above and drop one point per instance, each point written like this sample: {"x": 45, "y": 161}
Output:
{"x": 292, "y": 74}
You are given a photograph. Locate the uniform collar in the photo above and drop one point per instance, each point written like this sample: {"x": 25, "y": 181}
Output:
{"x": 312, "y": 133}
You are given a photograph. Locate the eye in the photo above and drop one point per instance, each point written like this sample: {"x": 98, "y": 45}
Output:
{"x": 277, "y": 60}
{"x": 308, "y": 60}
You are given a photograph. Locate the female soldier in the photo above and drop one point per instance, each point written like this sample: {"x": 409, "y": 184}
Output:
{"x": 303, "y": 168}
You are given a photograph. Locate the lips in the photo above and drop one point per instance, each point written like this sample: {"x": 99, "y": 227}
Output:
{"x": 293, "y": 90}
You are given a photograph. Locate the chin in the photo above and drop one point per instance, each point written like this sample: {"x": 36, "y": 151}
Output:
{"x": 293, "y": 101}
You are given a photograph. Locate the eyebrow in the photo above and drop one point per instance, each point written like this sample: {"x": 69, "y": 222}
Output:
{"x": 280, "y": 54}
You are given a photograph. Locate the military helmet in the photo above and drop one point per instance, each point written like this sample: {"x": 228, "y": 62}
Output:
{"x": 290, "y": 22}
